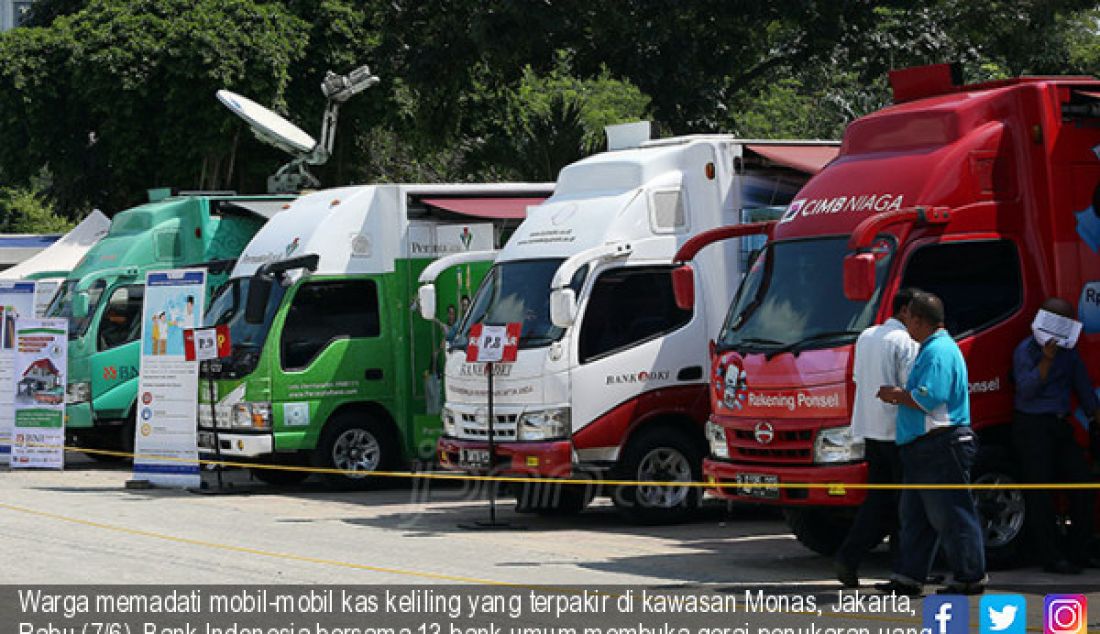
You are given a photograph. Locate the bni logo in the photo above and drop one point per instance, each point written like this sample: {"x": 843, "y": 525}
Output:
{"x": 946, "y": 614}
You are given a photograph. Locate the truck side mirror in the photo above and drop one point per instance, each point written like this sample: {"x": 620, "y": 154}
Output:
{"x": 425, "y": 296}
{"x": 859, "y": 276}
{"x": 80, "y": 305}
{"x": 259, "y": 291}
{"x": 683, "y": 286}
{"x": 563, "y": 307}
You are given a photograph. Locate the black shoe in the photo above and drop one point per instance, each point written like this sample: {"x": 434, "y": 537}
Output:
{"x": 957, "y": 587}
{"x": 1062, "y": 567}
{"x": 894, "y": 586}
{"x": 847, "y": 575}
{"x": 935, "y": 579}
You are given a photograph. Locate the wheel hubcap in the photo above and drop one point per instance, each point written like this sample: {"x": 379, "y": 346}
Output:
{"x": 663, "y": 465}
{"x": 356, "y": 450}
{"x": 1002, "y": 510}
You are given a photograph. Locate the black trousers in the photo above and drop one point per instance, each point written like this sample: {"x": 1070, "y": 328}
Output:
{"x": 1048, "y": 453}
{"x": 877, "y": 517}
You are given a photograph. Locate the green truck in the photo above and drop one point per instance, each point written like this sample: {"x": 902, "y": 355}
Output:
{"x": 102, "y": 299}
{"x": 331, "y": 364}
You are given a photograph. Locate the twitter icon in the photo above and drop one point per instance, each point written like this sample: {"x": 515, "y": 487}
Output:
{"x": 1003, "y": 614}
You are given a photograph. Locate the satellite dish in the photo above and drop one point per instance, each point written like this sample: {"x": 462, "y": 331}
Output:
{"x": 268, "y": 126}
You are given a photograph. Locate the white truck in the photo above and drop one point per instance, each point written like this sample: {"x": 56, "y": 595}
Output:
{"x": 611, "y": 376}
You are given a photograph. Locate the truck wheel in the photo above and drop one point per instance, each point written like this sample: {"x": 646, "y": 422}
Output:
{"x": 553, "y": 500}
{"x": 357, "y": 445}
{"x": 822, "y": 531}
{"x": 660, "y": 454}
{"x": 1003, "y": 512}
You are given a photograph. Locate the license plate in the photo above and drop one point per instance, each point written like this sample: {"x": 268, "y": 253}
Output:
{"x": 476, "y": 458}
{"x": 751, "y": 485}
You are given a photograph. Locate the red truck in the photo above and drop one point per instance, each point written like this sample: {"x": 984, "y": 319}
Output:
{"x": 984, "y": 194}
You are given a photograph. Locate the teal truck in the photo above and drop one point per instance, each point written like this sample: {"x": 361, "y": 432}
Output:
{"x": 331, "y": 364}
{"x": 102, "y": 298}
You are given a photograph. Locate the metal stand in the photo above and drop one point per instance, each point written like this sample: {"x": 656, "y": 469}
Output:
{"x": 221, "y": 488}
{"x": 492, "y": 524}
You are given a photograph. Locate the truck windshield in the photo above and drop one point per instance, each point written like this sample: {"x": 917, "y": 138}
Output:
{"x": 62, "y": 306}
{"x": 227, "y": 308}
{"x": 517, "y": 291}
{"x": 792, "y": 298}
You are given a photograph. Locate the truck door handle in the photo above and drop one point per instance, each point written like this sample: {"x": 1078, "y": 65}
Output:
{"x": 373, "y": 374}
{"x": 690, "y": 373}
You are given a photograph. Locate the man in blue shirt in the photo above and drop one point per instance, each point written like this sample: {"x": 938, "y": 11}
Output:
{"x": 937, "y": 447}
{"x": 1043, "y": 436}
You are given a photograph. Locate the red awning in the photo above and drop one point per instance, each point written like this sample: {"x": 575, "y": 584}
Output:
{"x": 804, "y": 158}
{"x": 499, "y": 208}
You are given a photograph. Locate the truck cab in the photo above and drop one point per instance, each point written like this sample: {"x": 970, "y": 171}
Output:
{"x": 329, "y": 366}
{"x": 610, "y": 376}
{"x": 102, "y": 299}
{"x": 983, "y": 194}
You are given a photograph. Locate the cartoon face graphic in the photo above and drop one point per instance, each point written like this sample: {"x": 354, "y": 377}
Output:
{"x": 731, "y": 382}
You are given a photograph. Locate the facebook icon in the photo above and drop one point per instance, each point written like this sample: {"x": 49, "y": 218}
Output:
{"x": 946, "y": 614}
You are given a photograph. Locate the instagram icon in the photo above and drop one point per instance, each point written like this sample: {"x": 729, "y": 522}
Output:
{"x": 1065, "y": 614}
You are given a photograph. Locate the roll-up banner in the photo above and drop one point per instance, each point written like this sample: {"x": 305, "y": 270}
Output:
{"x": 164, "y": 435}
{"x": 41, "y": 363}
{"x": 16, "y": 300}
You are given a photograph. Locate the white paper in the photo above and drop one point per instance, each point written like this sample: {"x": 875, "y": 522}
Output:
{"x": 1063, "y": 330}
{"x": 490, "y": 349}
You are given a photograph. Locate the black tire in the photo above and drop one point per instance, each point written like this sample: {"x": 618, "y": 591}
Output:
{"x": 1003, "y": 512}
{"x": 346, "y": 444}
{"x": 118, "y": 438}
{"x": 280, "y": 477}
{"x": 553, "y": 500}
{"x": 660, "y": 454}
{"x": 820, "y": 530}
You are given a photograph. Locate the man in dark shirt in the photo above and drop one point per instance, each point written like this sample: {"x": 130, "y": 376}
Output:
{"x": 1043, "y": 436}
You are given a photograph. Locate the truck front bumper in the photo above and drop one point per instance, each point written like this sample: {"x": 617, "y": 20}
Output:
{"x": 236, "y": 445}
{"x": 550, "y": 459}
{"x": 78, "y": 415}
{"x": 748, "y": 483}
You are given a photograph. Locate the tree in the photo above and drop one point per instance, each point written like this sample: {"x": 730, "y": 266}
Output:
{"x": 118, "y": 96}
{"x": 27, "y": 211}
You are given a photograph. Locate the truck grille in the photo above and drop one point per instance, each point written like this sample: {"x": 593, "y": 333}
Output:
{"x": 475, "y": 427}
{"x": 790, "y": 446}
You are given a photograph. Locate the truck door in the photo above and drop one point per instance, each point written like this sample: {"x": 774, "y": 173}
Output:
{"x": 623, "y": 349}
{"x": 115, "y": 362}
{"x": 980, "y": 283}
{"x": 332, "y": 349}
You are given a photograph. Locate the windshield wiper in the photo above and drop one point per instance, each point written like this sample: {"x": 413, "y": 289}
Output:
{"x": 802, "y": 344}
{"x": 751, "y": 342}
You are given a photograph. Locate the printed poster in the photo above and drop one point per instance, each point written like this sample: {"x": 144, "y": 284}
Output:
{"x": 168, "y": 383}
{"x": 44, "y": 291}
{"x": 16, "y": 301}
{"x": 41, "y": 355}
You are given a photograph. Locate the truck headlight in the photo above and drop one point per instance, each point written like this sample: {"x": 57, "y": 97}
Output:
{"x": 79, "y": 392}
{"x": 546, "y": 424}
{"x": 252, "y": 415}
{"x": 837, "y": 445}
{"x": 449, "y": 426}
{"x": 716, "y": 438}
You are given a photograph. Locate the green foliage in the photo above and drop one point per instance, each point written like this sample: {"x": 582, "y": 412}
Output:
{"x": 118, "y": 96}
{"x": 115, "y": 96}
{"x": 26, "y": 211}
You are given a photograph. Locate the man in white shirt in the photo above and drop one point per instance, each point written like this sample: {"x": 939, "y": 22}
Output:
{"x": 883, "y": 356}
